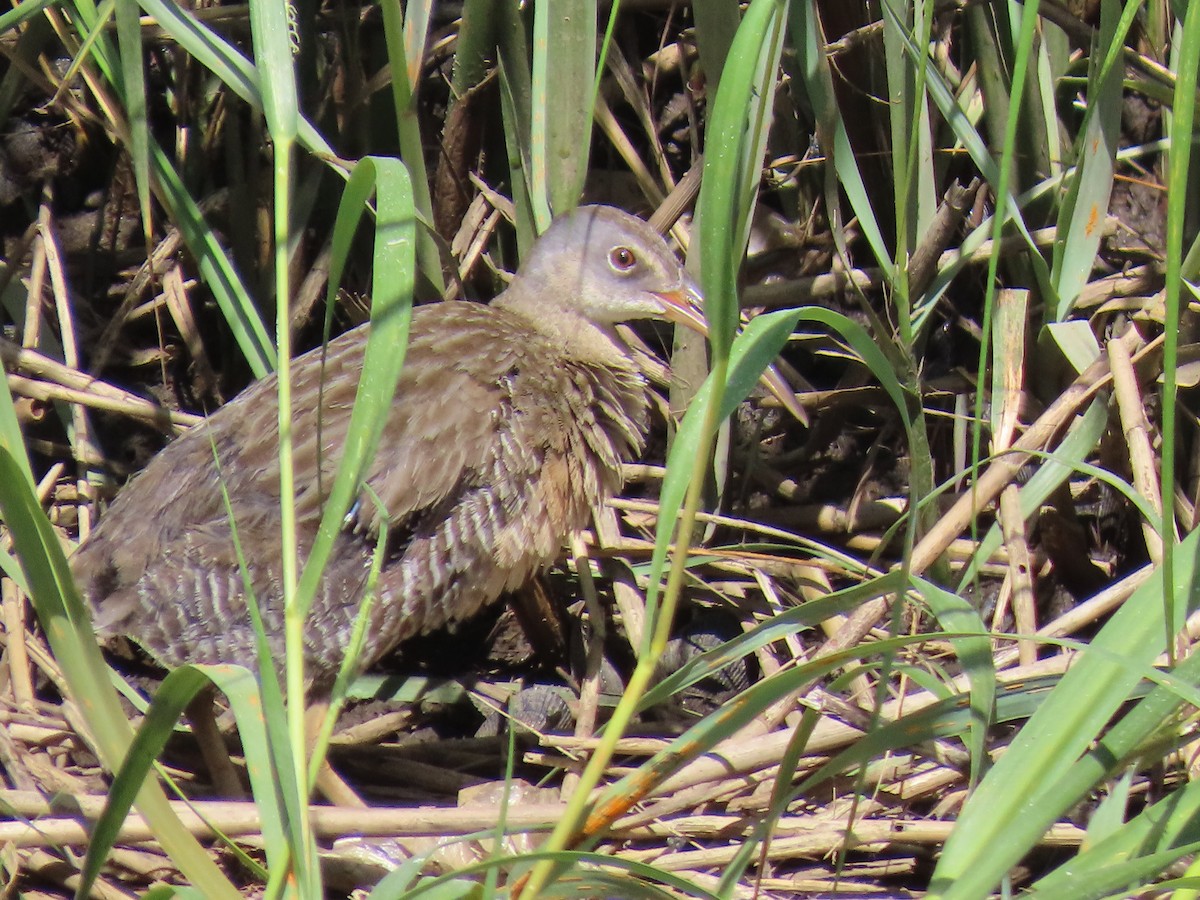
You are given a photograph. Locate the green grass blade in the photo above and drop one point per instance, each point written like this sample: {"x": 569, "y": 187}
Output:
{"x": 809, "y": 42}
{"x": 716, "y": 24}
{"x": 1090, "y": 186}
{"x": 405, "y": 40}
{"x": 776, "y": 628}
{"x": 177, "y": 690}
{"x": 516, "y": 103}
{"x": 133, "y": 78}
{"x": 11, "y": 437}
{"x": 1182, "y": 133}
{"x": 276, "y": 71}
{"x": 974, "y": 650}
{"x": 581, "y": 864}
{"x": 997, "y": 826}
{"x": 564, "y": 72}
{"x": 737, "y": 713}
{"x": 394, "y": 268}
{"x": 22, "y": 14}
{"x": 1136, "y": 849}
{"x": 734, "y": 151}
{"x": 13, "y": 441}
{"x": 67, "y": 627}
{"x": 1082, "y": 438}
{"x": 272, "y": 41}
{"x": 911, "y": 141}
{"x": 960, "y": 123}
{"x": 216, "y": 270}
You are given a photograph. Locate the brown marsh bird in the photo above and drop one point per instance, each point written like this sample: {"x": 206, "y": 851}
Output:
{"x": 509, "y": 425}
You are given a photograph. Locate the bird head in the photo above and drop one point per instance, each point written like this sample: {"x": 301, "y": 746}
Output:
{"x": 605, "y": 266}
{"x": 610, "y": 267}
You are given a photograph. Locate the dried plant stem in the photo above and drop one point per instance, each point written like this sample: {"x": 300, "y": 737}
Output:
{"x": 1019, "y": 578}
{"x": 1002, "y": 471}
{"x": 39, "y": 366}
{"x": 1137, "y": 438}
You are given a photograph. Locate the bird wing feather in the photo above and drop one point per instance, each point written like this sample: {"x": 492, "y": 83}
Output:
{"x": 430, "y": 455}
{"x": 429, "y": 449}
{"x": 426, "y": 450}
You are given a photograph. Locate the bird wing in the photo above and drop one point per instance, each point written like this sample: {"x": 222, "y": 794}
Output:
{"x": 451, "y": 397}
{"x": 443, "y": 421}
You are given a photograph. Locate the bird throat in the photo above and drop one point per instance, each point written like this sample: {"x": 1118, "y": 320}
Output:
{"x": 579, "y": 337}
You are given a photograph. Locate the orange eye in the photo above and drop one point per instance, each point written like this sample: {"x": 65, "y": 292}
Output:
{"x": 622, "y": 259}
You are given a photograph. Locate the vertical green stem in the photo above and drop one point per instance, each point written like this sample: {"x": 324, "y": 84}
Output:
{"x": 1010, "y": 117}
{"x": 294, "y": 611}
{"x": 1182, "y": 128}
{"x": 569, "y": 825}
{"x": 408, "y": 128}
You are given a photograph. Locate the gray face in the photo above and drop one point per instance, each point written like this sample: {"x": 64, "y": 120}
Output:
{"x": 608, "y": 265}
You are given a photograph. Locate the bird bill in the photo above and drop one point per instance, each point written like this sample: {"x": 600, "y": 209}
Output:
{"x": 685, "y": 306}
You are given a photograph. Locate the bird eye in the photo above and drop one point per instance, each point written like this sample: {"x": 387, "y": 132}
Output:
{"x": 622, "y": 259}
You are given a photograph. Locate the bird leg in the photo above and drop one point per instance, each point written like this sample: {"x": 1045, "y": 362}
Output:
{"x": 223, "y": 772}
{"x": 539, "y": 619}
{"x": 330, "y": 784}
{"x": 211, "y": 742}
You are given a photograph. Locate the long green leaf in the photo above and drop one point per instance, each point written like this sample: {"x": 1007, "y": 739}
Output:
{"x": 177, "y": 690}
{"x": 133, "y": 78}
{"x": 1090, "y": 187}
{"x": 1183, "y": 117}
{"x": 394, "y": 266}
{"x": 564, "y": 70}
{"x": 974, "y": 649}
{"x": 1004, "y": 818}
{"x": 815, "y": 75}
{"x": 66, "y": 624}
{"x": 405, "y": 40}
